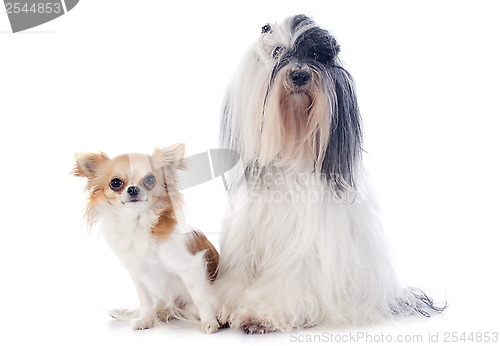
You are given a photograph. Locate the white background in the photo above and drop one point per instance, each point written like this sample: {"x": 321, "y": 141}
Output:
{"x": 126, "y": 76}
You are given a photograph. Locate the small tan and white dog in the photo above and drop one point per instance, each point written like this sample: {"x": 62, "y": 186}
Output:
{"x": 137, "y": 202}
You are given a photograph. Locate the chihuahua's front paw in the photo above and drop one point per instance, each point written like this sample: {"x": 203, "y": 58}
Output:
{"x": 210, "y": 326}
{"x": 142, "y": 324}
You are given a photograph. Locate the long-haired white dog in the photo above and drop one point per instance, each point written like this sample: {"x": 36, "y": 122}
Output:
{"x": 302, "y": 245}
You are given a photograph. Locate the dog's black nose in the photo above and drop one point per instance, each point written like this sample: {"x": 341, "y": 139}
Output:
{"x": 300, "y": 77}
{"x": 133, "y": 190}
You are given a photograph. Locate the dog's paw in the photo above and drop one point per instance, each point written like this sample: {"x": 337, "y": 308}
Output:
{"x": 164, "y": 315}
{"x": 210, "y": 326}
{"x": 252, "y": 326}
{"x": 224, "y": 325}
{"x": 223, "y": 316}
{"x": 142, "y": 324}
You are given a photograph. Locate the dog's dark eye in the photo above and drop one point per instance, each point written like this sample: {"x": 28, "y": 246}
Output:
{"x": 149, "y": 181}
{"x": 115, "y": 184}
{"x": 266, "y": 28}
{"x": 277, "y": 51}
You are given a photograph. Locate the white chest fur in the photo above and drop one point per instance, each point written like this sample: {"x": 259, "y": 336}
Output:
{"x": 129, "y": 234}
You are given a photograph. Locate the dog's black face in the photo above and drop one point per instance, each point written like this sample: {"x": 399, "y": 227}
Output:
{"x": 314, "y": 49}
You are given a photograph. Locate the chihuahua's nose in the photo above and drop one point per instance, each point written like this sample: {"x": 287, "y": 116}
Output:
{"x": 133, "y": 190}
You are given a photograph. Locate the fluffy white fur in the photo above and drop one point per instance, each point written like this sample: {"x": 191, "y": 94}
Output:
{"x": 293, "y": 255}
{"x": 170, "y": 280}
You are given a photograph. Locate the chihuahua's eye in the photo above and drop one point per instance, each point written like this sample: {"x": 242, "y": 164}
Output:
{"x": 149, "y": 181}
{"x": 115, "y": 184}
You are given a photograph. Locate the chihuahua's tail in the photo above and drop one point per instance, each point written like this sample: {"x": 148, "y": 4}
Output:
{"x": 124, "y": 314}
{"x": 185, "y": 313}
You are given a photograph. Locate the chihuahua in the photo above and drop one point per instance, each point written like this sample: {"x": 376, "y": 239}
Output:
{"x": 137, "y": 202}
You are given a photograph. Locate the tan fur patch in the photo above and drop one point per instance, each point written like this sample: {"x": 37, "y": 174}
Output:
{"x": 198, "y": 242}
{"x": 166, "y": 224}
{"x": 296, "y": 125}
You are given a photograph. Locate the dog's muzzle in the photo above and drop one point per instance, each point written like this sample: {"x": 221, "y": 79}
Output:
{"x": 300, "y": 78}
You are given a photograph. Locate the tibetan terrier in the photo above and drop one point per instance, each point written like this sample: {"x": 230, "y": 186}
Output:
{"x": 302, "y": 245}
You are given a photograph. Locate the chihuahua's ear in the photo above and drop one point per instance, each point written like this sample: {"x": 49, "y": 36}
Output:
{"x": 171, "y": 156}
{"x": 88, "y": 163}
